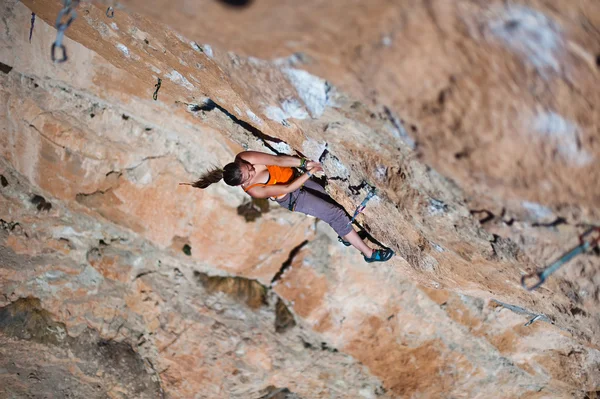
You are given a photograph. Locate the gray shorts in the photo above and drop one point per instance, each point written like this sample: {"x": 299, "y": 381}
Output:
{"x": 312, "y": 199}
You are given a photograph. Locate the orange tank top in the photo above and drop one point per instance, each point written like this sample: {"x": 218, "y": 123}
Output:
{"x": 277, "y": 174}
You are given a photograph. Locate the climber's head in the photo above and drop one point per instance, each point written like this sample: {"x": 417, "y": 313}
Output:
{"x": 234, "y": 174}
{"x": 246, "y": 169}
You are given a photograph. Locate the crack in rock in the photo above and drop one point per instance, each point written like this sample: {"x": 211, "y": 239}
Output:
{"x": 210, "y": 105}
{"x": 288, "y": 262}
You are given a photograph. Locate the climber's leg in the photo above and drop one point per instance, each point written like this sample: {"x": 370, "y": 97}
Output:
{"x": 312, "y": 203}
{"x": 313, "y": 185}
{"x": 353, "y": 238}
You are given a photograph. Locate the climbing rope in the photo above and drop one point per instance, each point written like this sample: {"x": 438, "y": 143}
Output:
{"x": 155, "y": 95}
{"x": 587, "y": 241}
{"x": 362, "y": 205}
{"x": 69, "y": 13}
{"x": 31, "y": 29}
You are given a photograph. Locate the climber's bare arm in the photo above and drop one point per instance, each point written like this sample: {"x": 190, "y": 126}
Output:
{"x": 261, "y": 158}
{"x": 279, "y": 189}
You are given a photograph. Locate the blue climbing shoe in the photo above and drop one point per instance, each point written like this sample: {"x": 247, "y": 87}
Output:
{"x": 380, "y": 255}
{"x": 362, "y": 234}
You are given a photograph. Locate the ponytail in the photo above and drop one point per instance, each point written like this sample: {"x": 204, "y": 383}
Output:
{"x": 212, "y": 176}
{"x": 231, "y": 173}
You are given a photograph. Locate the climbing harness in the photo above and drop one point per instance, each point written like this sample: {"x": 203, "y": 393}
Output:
{"x": 31, "y": 29}
{"x": 292, "y": 203}
{"x": 69, "y": 12}
{"x": 155, "y": 95}
{"x": 587, "y": 241}
{"x": 362, "y": 205}
{"x": 110, "y": 12}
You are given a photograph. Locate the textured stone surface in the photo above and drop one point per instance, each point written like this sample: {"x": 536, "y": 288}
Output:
{"x": 530, "y": 66}
{"x": 131, "y": 291}
{"x": 424, "y": 340}
{"x": 476, "y": 122}
{"x": 44, "y": 354}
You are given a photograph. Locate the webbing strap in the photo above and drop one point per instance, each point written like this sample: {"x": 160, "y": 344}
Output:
{"x": 292, "y": 203}
{"x": 254, "y": 185}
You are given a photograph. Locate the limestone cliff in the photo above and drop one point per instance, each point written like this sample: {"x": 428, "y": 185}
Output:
{"x": 476, "y": 121}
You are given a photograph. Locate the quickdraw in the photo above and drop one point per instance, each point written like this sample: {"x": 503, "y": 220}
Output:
{"x": 69, "y": 12}
{"x": 31, "y": 29}
{"x": 587, "y": 241}
{"x": 534, "y": 319}
{"x": 155, "y": 95}
{"x": 363, "y": 204}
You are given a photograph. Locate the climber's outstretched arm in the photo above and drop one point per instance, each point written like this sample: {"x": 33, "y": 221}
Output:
{"x": 261, "y": 158}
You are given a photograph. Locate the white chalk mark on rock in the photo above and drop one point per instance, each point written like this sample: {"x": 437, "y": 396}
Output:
{"x": 311, "y": 89}
{"x": 208, "y": 50}
{"x": 282, "y": 147}
{"x": 531, "y": 34}
{"x": 253, "y": 117}
{"x": 123, "y": 49}
{"x": 179, "y": 79}
{"x": 564, "y": 134}
{"x": 154, "y": 68}
{"x": 539, "y": 212}
{"x": 290, "y": 108}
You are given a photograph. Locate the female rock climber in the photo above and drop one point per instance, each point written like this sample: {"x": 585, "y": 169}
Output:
{"x": 263, "y": 175}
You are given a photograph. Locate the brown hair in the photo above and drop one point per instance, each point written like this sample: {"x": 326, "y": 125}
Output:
{"x": 231, "y": 174}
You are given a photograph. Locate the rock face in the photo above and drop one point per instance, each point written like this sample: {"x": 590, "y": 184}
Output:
{"x": 476, "y": 122}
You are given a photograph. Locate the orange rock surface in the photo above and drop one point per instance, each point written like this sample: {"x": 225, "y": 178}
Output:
{"x": 477, "y": 122}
